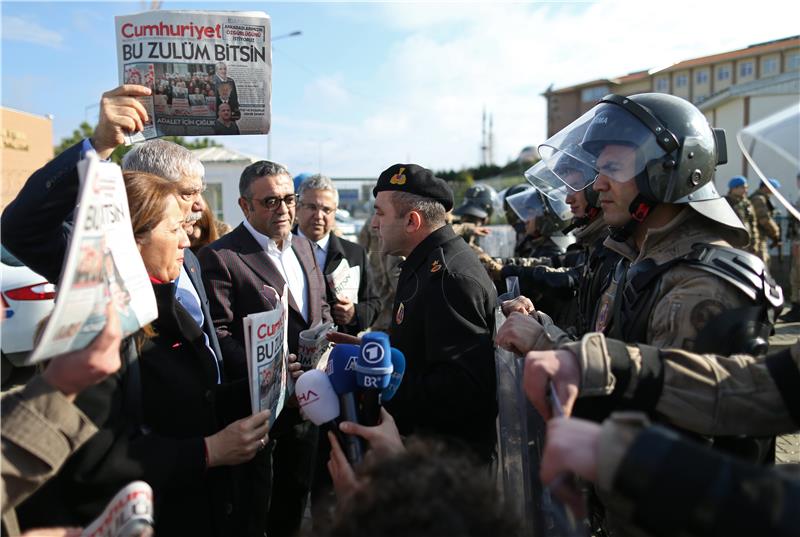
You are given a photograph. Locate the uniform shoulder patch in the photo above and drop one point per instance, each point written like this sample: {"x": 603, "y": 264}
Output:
{"x": 704, "y": 311}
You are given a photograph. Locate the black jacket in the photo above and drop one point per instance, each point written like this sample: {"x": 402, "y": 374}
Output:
{"x": 443, "y": 322}
{"x": 152, "y": 428}
{"x": 369, "y": 304}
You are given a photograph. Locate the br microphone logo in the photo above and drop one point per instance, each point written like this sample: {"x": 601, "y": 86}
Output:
{"x": 372, "y": 352}
{"x": 307, "y": 397}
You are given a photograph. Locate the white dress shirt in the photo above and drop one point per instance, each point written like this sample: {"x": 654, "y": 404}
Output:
{"x": 320, "y": 248}
{"x": 287, "y": 264}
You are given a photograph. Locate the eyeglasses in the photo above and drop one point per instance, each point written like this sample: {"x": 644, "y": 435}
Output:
{"x": 272, "y": 202}
{"x": 327, "y": 211}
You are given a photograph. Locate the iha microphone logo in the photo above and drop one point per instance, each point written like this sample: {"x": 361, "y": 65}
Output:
{"x": 307, "y": 397}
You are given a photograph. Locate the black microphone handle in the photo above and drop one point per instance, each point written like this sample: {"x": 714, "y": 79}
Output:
{"x": 352, "y": 444}
{"x": 370, "y": 407}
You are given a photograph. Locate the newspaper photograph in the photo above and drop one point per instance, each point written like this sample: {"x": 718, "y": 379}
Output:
{"x": 128, "y": 514}
{"x": 314, "y": 347}
{"x": 344, "y": 281}
{"x": 267, "y": 350}
{"x": 209, "y": 71}
{"x": 102, "y": 263}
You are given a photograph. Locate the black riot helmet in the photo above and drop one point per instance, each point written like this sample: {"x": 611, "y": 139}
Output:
{"x": 479, "y": 201}
{"x": 676, "y": 153}
{"x": 551, "y": 214}
{"x": 511, "y": 216}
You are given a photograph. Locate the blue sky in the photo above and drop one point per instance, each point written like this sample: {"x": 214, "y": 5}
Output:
{"x": 371, "y": 84}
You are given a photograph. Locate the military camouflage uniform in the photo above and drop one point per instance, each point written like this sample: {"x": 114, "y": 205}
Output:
{"x": 744, "y": 210}
{"x": 385, "y": 270}
{"x": 793, "y": 234}
{"x": 767, "y": 227}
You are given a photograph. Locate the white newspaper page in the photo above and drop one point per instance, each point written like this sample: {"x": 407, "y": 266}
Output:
{"x": 344, "y": 281}
{"x": 102, "y": 263}
{"x": 128, "y": 514}
{"x": 267, "y": 357}
{"x": 313, "y": 345}
{"x": 210, "y": 71}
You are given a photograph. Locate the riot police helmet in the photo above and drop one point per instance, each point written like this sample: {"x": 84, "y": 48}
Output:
{"x": 551, "y": 215}
{"x": 479, "y": 201}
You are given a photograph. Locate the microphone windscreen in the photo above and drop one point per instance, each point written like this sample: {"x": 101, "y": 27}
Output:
{"x": 374, "y": 365}
{"x": 399, "y": 365}
{"x": 316, "y": 397}
{"x": 341, "y": 368}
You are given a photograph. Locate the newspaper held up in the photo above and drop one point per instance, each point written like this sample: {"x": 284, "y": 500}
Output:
{"x": 314, "y": 347}
{"x": 267, "y": 349}
{"x": 344, "y": 281}
{"x": 209, "y": 71}
{"x": 102, "y": 263}
{"x": 128, "y": 514}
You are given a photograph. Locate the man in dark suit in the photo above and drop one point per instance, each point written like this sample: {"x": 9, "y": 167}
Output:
{"x": 316, "y": 218}
{"x": 236, "y": 268}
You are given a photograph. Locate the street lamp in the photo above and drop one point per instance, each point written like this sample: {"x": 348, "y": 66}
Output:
{"x": 269, "y": 134}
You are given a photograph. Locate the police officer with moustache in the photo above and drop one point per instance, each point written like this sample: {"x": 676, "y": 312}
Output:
{"x": 443, "y": 314}
{"x": 679, "y": 283}
{"x": 740, "y": 203}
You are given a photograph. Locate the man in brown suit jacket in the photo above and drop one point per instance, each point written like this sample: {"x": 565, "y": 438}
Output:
{"x": 262, "y": 252}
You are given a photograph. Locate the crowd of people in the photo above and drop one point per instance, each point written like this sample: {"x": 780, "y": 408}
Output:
{"x": 643, "y": 308}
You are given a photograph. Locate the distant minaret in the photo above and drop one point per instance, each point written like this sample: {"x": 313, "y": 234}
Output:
{"x": 484, "y": 145}
{"x": 490, "y": 151}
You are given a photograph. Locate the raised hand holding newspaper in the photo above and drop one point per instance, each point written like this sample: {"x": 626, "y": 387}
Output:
{"x": 345, "y": 280}
{"x": 267, "y": 349}
{"x": 128, "y": 514}
{"x": 102, "y": 264}
{"x": 209, "y": 72}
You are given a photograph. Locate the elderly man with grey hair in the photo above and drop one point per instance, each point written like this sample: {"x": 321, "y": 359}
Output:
{"x": 316, "y": 221}
{"x": 176, "y": 163}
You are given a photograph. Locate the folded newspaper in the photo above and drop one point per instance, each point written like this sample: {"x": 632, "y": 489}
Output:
{"x": 102, "y": 263}
{"x": 266, "y": 345}
{"x": 344, "y": 281}
{"x": 314, "y": 347}
{"x": 128, "y": 514}
{"x": 209, "y": 71}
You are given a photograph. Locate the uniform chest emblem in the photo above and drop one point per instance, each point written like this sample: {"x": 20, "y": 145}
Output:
{"x": 401, "y": 310}
{"x": 436, "y": 266}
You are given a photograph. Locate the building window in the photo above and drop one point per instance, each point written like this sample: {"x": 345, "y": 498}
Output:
{"x": 590, "y": 95}
{"x": 769, "y": 66}
{"x": 723, "y": 73}
{"x": 701, "y": 77}
{"x": 662, "y": 85}
{"x": 793, "y": 62}
{"x": 681, "y": 81}
{"x": 746, "y": 69}
{"x": 213, "y": 197}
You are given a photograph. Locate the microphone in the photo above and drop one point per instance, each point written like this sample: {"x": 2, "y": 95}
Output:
{"x": 373, "y": 374}
{"x": 342, "y": 376}
{"x": 319, "y": 401}
{"x": 399, "y": 365}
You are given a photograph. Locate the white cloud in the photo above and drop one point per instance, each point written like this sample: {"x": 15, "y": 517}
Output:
{"x": 452, "y": 60}
{"x": 330, "y": 91}
{"x": 28, "y": 31}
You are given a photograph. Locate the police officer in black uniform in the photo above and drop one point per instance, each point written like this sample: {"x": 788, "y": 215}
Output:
{"x": 443, "y": 314}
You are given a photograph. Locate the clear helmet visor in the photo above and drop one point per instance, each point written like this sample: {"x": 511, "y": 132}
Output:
{"x": 530, "y": 204}
{"x": 608, "y": 139}
{"x": 567, "y": 174}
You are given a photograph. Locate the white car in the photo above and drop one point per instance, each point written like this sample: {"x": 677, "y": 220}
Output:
{"x": 348, "y": 226}
{"x": 27, "y": 298}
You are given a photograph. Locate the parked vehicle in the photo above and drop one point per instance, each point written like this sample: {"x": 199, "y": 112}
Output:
{"x": 27, "y": 298}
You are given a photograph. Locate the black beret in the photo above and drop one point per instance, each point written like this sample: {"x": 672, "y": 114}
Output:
{"x": 415, "y": 180}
